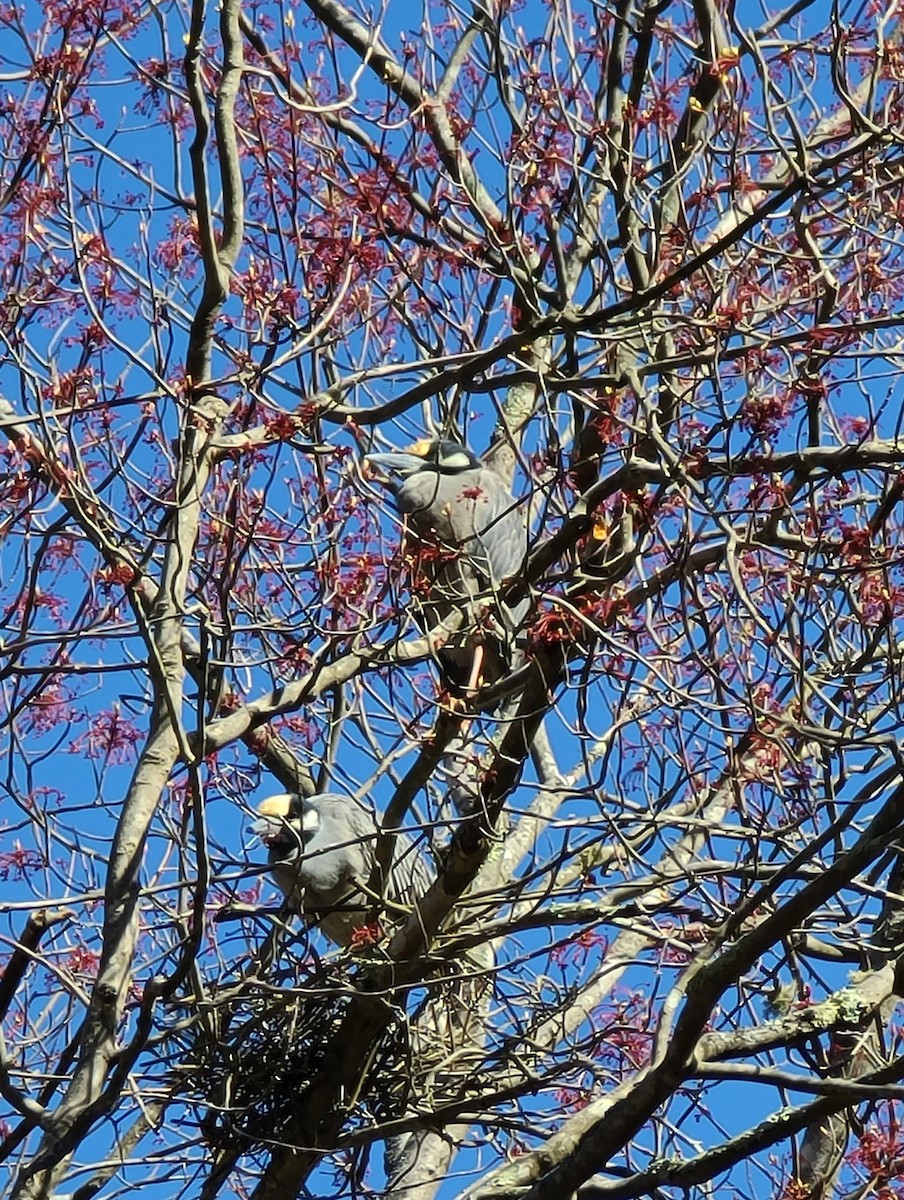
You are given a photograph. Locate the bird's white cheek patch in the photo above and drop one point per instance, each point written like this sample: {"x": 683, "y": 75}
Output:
{"x": 456, "y": 462}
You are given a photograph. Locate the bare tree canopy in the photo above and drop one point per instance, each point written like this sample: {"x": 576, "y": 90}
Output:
{"x": 516, "y": 816}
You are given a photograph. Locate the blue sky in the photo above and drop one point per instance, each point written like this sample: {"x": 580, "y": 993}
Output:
{"x": 127, "y": 211}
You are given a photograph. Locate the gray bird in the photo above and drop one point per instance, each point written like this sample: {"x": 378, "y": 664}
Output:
{"x": 322, "y": 853}
{"x": 470, "y": 540}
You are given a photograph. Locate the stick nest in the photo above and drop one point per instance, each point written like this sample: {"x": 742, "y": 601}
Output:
{"x": 254, "y": 1054}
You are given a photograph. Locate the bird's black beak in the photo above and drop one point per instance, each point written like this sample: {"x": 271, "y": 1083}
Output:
{"x": 398, "y": 462}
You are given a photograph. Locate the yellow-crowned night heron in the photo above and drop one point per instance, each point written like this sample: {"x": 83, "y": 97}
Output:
{"x": 470, "y": 539}
{"x": 322, "y": 853}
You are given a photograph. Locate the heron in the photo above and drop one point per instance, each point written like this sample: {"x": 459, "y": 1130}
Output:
{"x": 470, "y": 540}
{"x": 322, "y": 853}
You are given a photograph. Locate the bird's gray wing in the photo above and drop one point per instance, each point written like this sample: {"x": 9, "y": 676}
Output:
{"x": 498, "y": 541}
{"x": 346, "y": 813}
{"x": 474, "y": 512}
{"x": 411, "y": 872}
{"x": 343, "y": 846}
{"x": 499, "y": 529}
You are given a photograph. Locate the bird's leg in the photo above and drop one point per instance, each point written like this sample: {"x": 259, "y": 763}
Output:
{"x": 475, "y": 680}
